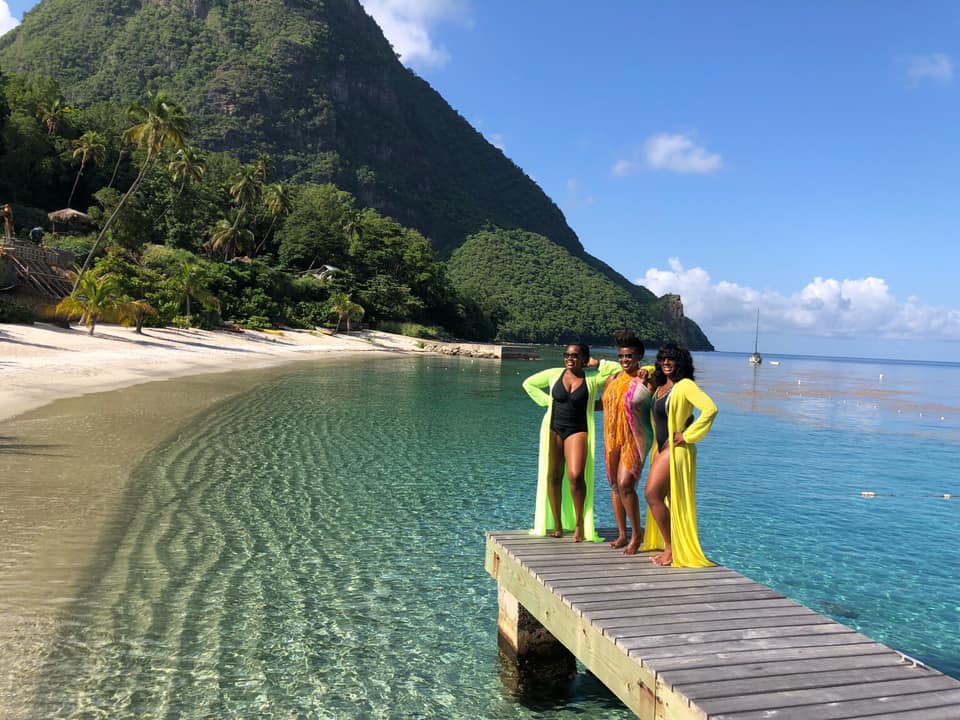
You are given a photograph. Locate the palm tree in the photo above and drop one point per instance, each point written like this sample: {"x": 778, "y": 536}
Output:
{"x": 190, "y": 285}
{"x": 116, "y": 167}
{"x": 90, "y": 146}
{"x": 246, "y": 187}
{"x": 138, "y": 311}
{"x": 187, "y": 166}
{"x": 53, "y": 112}
{"x": 353, "y": 230}
{"x": 160, "y": 123}
{"x": 345, "y": 309}
{"x": 263, "y": 166}
{"x": 228, "y": 236}
{"x": 277, "y": 198}
{"x": 92, "y": 297}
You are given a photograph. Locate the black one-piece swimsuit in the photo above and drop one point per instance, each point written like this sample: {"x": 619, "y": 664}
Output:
{"x": 569, "y": 410}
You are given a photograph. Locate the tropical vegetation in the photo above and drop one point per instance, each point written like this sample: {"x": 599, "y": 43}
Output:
{"x": 255, "y": 163}
{"x": 533, "y": 290}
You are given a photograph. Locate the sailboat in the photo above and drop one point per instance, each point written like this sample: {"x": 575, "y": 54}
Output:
{"x": 755, "y": 359}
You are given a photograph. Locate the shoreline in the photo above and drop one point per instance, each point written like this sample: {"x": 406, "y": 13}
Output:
{"x": 69, "y": 441}
{"x": 77, "y": 413}
{"x": 42, "y": 363}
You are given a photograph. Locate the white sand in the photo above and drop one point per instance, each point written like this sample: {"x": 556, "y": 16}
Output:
{"x": 42, "y": 363}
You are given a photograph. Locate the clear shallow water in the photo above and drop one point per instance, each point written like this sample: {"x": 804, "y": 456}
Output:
{"x": 314, "y": 548}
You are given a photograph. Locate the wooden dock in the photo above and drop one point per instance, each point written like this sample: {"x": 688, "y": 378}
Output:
{"x": 684, "y": 644}
{"x": 519, "y": 352}
{"x": 40, "y": 269}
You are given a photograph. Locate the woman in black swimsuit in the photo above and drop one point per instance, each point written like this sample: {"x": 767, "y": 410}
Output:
{"x": 569, "y": 394}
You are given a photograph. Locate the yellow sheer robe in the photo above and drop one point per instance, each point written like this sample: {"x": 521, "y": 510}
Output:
{"x": 684, "y": 397}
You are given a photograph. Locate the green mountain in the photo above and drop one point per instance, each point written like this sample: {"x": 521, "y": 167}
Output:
{"x": 536, "y": 291}
{"x": 314, "y": 84}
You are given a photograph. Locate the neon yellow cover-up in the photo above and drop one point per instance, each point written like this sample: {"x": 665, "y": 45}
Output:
{"x": 684, "y": 397}
{"x": 539, "y": 387}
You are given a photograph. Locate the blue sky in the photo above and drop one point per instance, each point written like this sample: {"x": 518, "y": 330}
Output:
{"x": 799, "y": 157}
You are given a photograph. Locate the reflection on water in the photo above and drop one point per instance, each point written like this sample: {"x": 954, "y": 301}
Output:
{"x": 313, "y": 547}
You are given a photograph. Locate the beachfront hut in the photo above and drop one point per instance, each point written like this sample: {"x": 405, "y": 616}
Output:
{"x": 69, "y": 215}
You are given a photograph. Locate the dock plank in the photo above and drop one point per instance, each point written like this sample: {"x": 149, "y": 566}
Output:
{"x": 801, "y": 681}
{"x": 686, "y": 595}
{"x": 924, "y": 706}
{"x": 626, "y": 636}
{"x": 709, "y": 644}
{"x": 713, "y": 636}
{"x": 755, "y": 656}
{"x": 733, "y": 646}
{"x": 759, "y": 670}
{"x": 821, "y": 695}
{"x": 633, "y": 614}
{"x": 638, "y": 584}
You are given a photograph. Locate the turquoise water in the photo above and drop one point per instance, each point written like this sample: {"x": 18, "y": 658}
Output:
{"x": 314, "y": 548}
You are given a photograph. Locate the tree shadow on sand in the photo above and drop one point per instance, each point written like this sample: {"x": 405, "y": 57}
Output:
{"x": 10, "y": 446}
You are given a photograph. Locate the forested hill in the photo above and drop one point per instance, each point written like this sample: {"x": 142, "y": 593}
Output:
{"x": 312, "y": 83}
{"x": 536, "y": 291}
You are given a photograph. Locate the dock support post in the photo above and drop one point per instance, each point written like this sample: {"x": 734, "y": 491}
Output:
{"x": 538, "y": 657}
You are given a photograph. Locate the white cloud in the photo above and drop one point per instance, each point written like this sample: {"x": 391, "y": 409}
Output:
{"x": 825, "y": 307}
{"x": 407, "y": 24}
{"x": 679, "y": 154}
{"x": 622, "y": 168}
{"x": 936, "y": 66}
{"x": 7, "y": 20}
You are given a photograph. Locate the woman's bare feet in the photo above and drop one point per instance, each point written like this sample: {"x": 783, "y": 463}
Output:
{"x": 664, "y": 559}
{"x": 578, "y": 535}
{"x": 633, "y": 547}
{"x": 556, "y": 533}
{"x": 620, "y": 542}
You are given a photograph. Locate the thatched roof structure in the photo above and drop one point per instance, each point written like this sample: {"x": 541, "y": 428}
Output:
{"x": 68, "y": 215}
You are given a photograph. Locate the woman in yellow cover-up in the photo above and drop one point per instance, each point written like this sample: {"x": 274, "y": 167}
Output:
{"x": 627, "y": 436}
{"x": 567, "y": 443}
{"x": 673, "y": 470}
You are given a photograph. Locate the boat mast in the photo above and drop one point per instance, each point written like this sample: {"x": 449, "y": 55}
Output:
{"x": 755, "y": 359}
{"x": 756, "y": 337}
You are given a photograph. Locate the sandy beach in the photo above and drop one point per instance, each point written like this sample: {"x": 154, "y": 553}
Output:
{"x": 42, "y": 363}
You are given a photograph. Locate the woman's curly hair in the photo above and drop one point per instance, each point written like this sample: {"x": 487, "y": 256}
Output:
{"x": 681, "y": 356}
{"x": 627, "y": 339}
